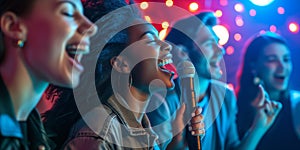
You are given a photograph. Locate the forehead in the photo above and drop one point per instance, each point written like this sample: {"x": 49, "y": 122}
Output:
{"x": 276, "y": 49}
{"x": 56, "y": 3}
{"x": 137, "y": 31}
{"x": 205, "y": 33}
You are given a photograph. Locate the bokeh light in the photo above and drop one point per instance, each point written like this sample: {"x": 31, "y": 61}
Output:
{"x": 237, "y": 37}
{"x": 147, "y": 18}
{"x": 218, "y": 13}
{"x": 230, "y": 86}
{"x": 239, "y": 21}
{"x": 193, "y": 6}
{"x": 273, "y": 28}
{"x": 222, "y": 33}
{"x": 223, "y": 2}
{"x": 262, "y": 32}
{"x": 280, "y": 10}
{"x": 162, "y": 34}
{"x": 144, "y": 5}
{"x": 165, "y": 25}
{"x": 294, "y": 27}
{"x": 261, "y": 2}
{"x": 229, "y": 50}
{"x": 169, "y": 3}
{"x": 239, "y": 7}
{"x": 252, "y": 12}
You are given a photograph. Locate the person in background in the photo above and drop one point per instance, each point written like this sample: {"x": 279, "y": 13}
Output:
{"x": 40, "y": 43}
{"x": 267, "y": 62}
{"x": 217, "y": 101}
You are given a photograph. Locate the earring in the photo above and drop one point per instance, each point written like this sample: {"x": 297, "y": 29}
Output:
{"x": 20, "y": 43}
{"x": 256, "y": 79}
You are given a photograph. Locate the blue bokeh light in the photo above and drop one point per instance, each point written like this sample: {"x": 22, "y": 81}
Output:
{"x": 261, "y": 2}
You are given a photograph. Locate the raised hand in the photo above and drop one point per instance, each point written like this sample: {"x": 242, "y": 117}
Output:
{"x": 267, "y": 110}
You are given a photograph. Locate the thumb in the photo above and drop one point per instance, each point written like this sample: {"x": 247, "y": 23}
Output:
{"x": 260, "y": 98}
{"x": 179, "y": 123}
{"x": 181, "y": 110}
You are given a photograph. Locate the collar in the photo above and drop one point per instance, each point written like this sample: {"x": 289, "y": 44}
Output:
{"x": 127, "y": 117}
{"x": 9, "y": 126}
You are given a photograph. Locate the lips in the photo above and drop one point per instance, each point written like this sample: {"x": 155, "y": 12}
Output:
{"x": 279, "y": 78}
{"x": 75, "y": 52}
{"x": 167, "y": 65}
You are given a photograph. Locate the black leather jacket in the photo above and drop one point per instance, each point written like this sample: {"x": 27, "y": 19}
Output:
{"x": 15, "y": 135}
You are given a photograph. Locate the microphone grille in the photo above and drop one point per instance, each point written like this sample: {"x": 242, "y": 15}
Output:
{"x": 185, "y": 69}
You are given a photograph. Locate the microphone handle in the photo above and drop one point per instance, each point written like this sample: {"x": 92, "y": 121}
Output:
{"x": 187, "y": 95}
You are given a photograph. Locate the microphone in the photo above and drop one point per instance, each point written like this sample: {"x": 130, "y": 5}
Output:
{"x": 186, "y": 72}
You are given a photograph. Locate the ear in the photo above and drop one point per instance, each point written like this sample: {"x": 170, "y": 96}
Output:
{"x": 13, "y": 26}
{"x": 120, "y": 64}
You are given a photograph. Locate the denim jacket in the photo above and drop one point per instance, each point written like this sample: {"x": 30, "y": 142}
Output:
{"x": 111, "y": 126}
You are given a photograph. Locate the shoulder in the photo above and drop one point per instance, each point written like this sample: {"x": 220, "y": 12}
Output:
{"x": 295, "y": 94}
{"x": 224, "y": 96}
{"x": 222, "y": 89}
{"x": 90, "y": 131}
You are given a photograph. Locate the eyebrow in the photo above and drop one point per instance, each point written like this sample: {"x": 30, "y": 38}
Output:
{"x": 66, "y": 1}
{"x": 151, "y": 32}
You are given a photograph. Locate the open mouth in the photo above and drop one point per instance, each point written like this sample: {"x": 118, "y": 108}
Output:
{"x": 167, "y": 65}
{"x": 75, "y": 52}
{"x": 279, "y": 77}
{"x": 215, "y": 64}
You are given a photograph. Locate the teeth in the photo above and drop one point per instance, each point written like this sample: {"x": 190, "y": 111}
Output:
{"x": 164, "y": 62}
{"x": 73, "y": 49}
{"x": 78, "y": 58}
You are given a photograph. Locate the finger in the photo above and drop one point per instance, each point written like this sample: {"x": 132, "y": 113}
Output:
{"x": 196, "y": 126}
{"x": 277, "y": 106}
{"x": 197, "y": 111}
{"x": 197, "y": 119}
{"x": 268, "y": 108}
{"x": 41, "y": 147}
{"x": 260, "y": 98}
{"x": 182, "y": 109}
{"x": 198, "y": 132}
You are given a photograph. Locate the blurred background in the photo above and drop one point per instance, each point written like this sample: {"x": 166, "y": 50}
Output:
{"x": 239, "y": 20}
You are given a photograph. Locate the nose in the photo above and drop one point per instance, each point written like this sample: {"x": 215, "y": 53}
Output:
{"x": 87, "y": 27}
{"x": 219, "y": 49}
{"x": 280, "y": 65}
{"x": 166, "y": 46}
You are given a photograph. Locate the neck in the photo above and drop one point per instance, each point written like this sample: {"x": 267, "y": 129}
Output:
{"x": 274, "y": 95}
{"x": 24, "y": 89}
{"x": 201, "y": 88}
{"x": 137, "y": 102}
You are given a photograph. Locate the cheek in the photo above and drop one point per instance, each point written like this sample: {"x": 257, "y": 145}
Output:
{"x": 266, "y": 72}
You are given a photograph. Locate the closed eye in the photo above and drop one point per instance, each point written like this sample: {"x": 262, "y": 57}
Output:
{"x": 68, "y": 14}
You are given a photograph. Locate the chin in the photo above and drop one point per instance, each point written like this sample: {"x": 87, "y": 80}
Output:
{"x": 171, "y": 85}
{"x": 281, "y": 88}
{"x": 71, "y": 82}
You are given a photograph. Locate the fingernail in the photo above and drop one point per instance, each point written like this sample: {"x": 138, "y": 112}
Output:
{"x": 193, "y": 114}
